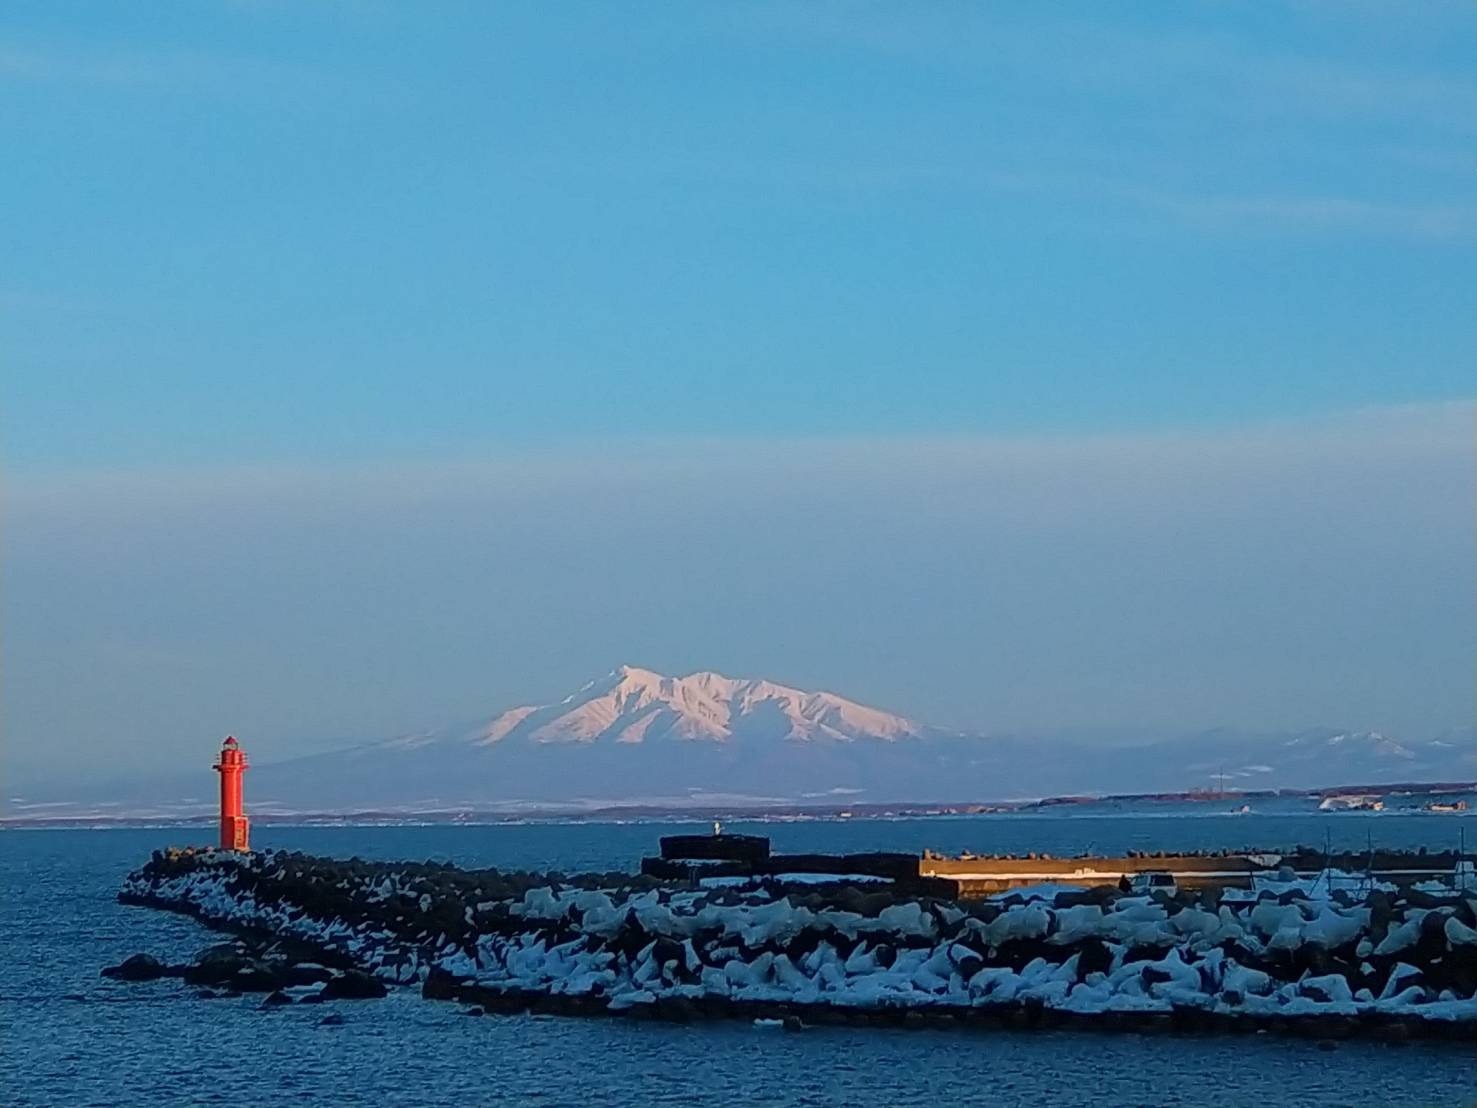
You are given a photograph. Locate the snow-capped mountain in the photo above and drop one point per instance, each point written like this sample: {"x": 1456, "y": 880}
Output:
{"x": 631, "y": 736}
{"x": 631, "y": 705}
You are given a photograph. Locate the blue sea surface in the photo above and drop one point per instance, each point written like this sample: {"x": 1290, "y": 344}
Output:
{"x": 69, "y": 1037}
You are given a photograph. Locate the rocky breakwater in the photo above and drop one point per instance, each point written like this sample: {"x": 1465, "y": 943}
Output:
{"x": 288, "y": 971}
{"x": 1391, "y": 963}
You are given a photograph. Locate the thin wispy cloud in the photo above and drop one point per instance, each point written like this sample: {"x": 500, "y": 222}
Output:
{"x": 1282, "y": 213}
{"x": 1215, "y": 70}
{"x": 1286, "y": 140}
{"x": 1326, "y": 213}
{"x": 117, "y": 67}
{"x": 1082, "y": 194}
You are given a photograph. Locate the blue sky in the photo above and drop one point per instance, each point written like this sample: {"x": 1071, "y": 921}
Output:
{"x": 358, "y": 247}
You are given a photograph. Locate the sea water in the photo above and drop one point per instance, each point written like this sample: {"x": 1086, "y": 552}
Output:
{"x": 69, "y": 1037}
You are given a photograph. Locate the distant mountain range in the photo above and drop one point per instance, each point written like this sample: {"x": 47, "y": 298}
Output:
{"x": 639, "y": 737}
{"x": 636, "y": 738}
{"x": 631, "y": 705}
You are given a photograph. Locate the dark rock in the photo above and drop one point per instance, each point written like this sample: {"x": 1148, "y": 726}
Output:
{"x": 276, "y": 999}
{"x": 474, "y": 1011}
{"x": 986, "y": 911}
{"x": 289, "y": 949}
{"x": 439, "y": 985}
{"x": 677, "y": 1009}
{"x": 667, "y": 951}
{"x": 333, "y": 1019}
{"x": 1187, "y": 1018}
{"x": 872, "y": 903}
{"x": 792, "y": 1023}
{"x": 508, "y": 1001}
{"x": 1032, "y": 1012}
{"x": 1399, "y": 1031}
{"x": 1093, "y": 956}
{"x": 805, "y": 942}
{"x": 1381, "y": 913}
{"x": 354, "y": 985}
{"x": 1431, "y": 944}
{"x": 305, "y": 974}
{"x": 714, "y": 1007}
{"x": 138, "y": 967}
{"x": 1317, "y": 992}
{"x": 825, "y": 1014}
{"x": 217, "y": 965}
{"x": 1313, "y": 958}
{"x": 256, "y": 978}
{"x": 559, "y": 1004}
{"x": 221, "y": 952}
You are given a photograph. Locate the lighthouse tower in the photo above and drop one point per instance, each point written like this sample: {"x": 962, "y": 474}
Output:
{"x": 231, "y": 765}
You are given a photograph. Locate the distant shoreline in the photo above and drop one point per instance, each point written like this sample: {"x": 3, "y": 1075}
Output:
{"x": 472, "y": 816}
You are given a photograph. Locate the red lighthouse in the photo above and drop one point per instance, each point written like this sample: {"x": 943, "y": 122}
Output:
{"x": 234, "y": 826}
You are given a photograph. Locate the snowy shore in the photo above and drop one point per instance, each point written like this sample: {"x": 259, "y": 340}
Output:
{"x": 1331, "y": 964}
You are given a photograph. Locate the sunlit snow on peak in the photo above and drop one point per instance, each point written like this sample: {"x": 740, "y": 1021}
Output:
{"x": 633, "y": 705}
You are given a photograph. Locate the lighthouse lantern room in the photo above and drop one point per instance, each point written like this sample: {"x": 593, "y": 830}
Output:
{"x": 231, "y": 765}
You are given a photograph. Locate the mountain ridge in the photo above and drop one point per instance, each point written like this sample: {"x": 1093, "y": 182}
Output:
{"x": 634, "y": 705}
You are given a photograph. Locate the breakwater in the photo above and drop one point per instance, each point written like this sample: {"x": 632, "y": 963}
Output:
{"x": 1391, "y": 962}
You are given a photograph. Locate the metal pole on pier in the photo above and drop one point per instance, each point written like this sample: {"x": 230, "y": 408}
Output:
{"x": 1367, "y": 885}
{"x": 1461, "y": 856}
{"x": 1327, "y": 852}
